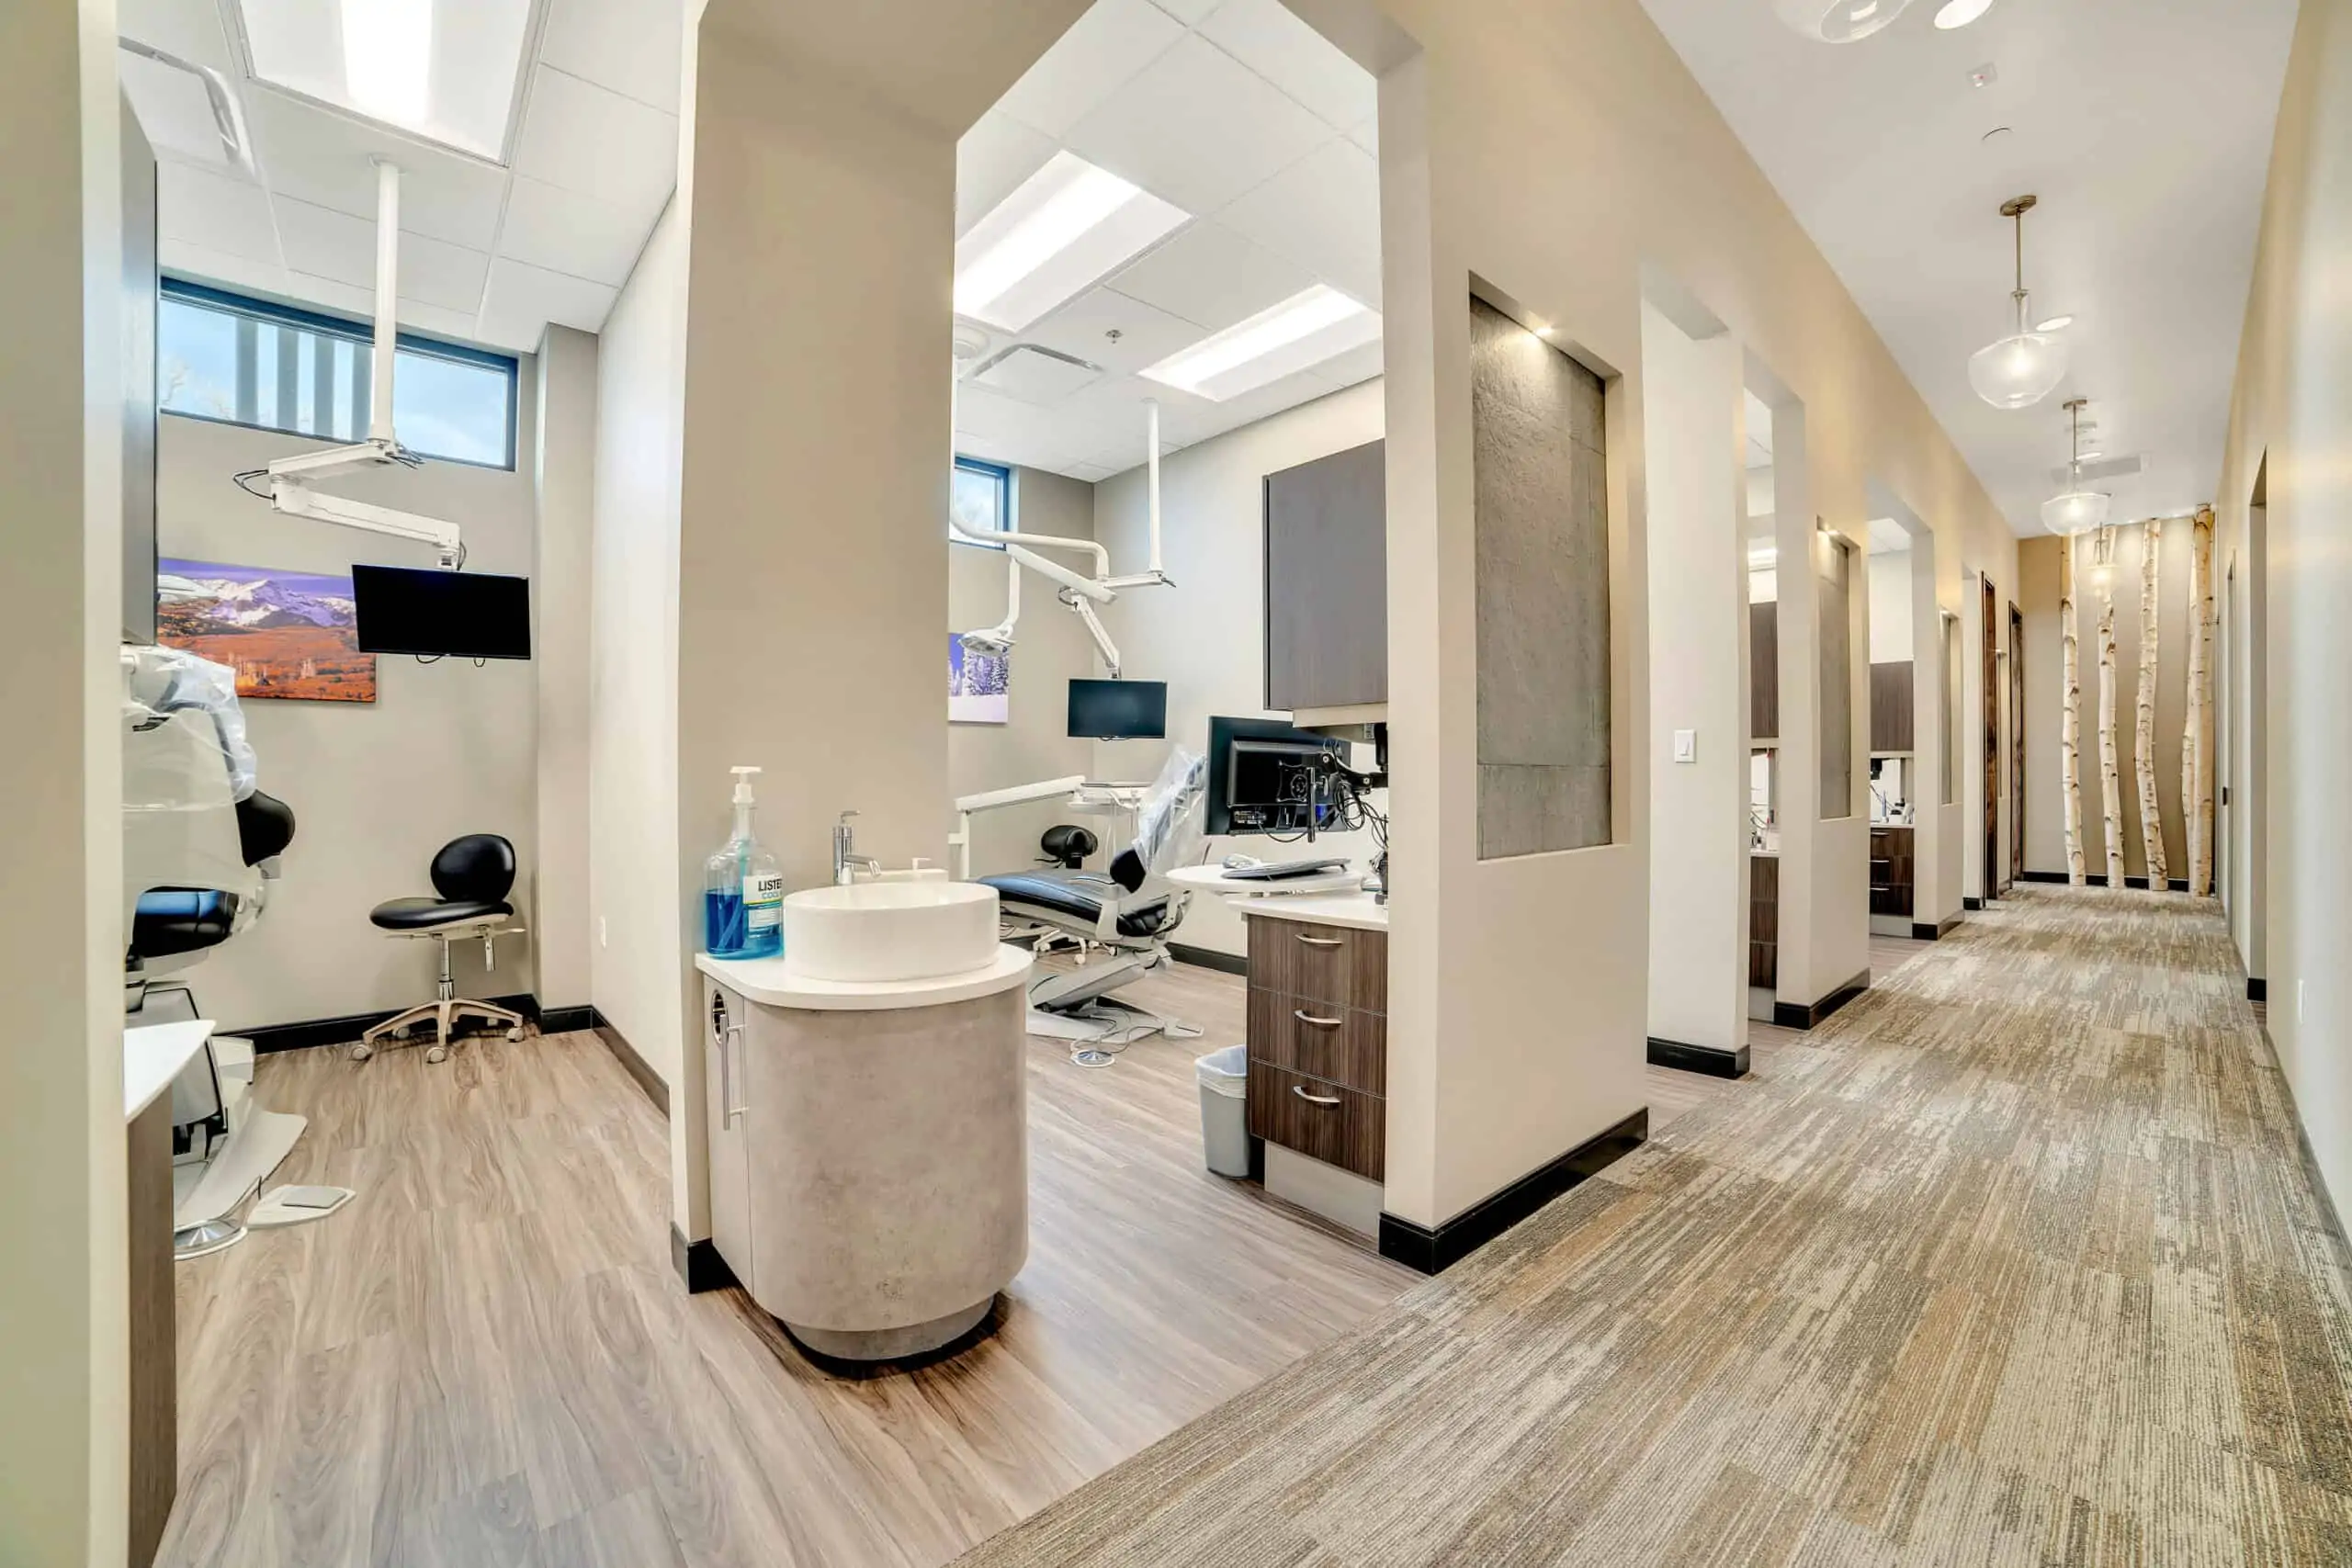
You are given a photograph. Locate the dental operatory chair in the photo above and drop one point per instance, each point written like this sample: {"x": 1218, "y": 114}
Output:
{"x": 471, "y": 877}
{"x": 1126, "y": 914}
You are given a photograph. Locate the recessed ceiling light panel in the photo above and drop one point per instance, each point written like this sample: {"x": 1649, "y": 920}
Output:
{"x": 442, "y": 70}
{"x": 1065, "y": 229}
{"x": 1302, "y": 331}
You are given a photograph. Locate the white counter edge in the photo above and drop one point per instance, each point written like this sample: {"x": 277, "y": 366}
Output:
{"x": 1358, "y": 911}
{"x": 153, "y": 1055}
{"x": 767, "y": 982}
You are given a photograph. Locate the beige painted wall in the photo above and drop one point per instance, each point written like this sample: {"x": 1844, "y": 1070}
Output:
{"x": 1053, "y": 647}
{"x": 1889, "y": 575}
{"x": 1205, "y": 637}
{"x": 564, "y": 479}
{"x": 63, "y": 1391}
{"x": 2292, "y": 406}
{"x": 633, "y": 656}
{"x": 2045, "y": 845}
{"x": 446, "y": 747}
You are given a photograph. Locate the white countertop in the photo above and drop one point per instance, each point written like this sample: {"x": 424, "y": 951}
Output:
{"x": 152, "y": 1056}
{"x": 1360, "y": 910}
{"x": 1213, "y": 879}
{"x": 771, "y": 983}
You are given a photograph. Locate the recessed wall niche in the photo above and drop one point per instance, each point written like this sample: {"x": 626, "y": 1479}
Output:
{"x": 1542, "y": 524}
{"x": 1835, "y": 559}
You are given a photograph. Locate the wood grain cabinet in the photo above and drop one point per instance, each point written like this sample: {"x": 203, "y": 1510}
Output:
{"x": 1327, "y": 581}
{"x": 1318, "y": 1041}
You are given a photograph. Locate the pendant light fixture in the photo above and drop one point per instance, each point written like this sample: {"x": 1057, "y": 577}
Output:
{"x": 2079, "y": 511}
{"x": 2021, "y": 369}
{"x": 1839, "y": 21}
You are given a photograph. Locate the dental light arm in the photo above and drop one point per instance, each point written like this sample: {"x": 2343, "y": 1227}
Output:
{"x": 991, "y": 800}
{"x": 1103, "y": 643}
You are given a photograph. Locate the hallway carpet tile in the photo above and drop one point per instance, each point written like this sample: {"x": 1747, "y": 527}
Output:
{"x": 2016, "y": 1261}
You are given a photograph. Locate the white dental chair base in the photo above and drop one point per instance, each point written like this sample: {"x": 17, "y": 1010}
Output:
{"x": 448, "y": 1007}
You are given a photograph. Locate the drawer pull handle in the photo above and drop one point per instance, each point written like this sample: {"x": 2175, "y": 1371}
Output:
{"x": 1300, "y": 1089}
{"x": 1305, "y": 1016}
{"x": 1319, "y": 941}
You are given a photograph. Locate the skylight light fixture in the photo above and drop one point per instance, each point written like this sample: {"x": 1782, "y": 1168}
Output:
{"x": 1304, "y": 330}
{"x": 1063, "y": 230}
{"x": 2026, "y": 366}
{"x": 441, "y": 70}
{"x": 1839, "y": 21}
{"x": 1960, "y": 12}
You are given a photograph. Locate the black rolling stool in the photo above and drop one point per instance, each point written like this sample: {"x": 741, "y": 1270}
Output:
{"x": 472, "y": 876}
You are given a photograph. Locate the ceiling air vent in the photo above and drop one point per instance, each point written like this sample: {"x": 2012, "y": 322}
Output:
{"x": 1035, "y": 374}
{"x": 186, "y": 110}
{"x": 2113, "y": 468}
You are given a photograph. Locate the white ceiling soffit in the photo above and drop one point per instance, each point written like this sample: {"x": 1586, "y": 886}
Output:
{"x": 544, "y": 226}
{"x": 2145, "y": 130}
{"x": 1260, "y": 136}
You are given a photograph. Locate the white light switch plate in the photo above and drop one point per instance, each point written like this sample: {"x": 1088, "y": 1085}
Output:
{"x": 1686, "y": 745}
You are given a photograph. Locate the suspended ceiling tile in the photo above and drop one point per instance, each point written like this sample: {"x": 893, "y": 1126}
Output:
{"x": 592, "y": 139}
{"x": 336, "y": 245}
{"x": 327, "y": 160}
{"x": 1197, "y": 128}
{"x": 633, "y": 47}
{"x": 1091, "y": 473}
{"x": 190, "y": 29}
{"x": 562, "y": 230}
{"x": 521, "y": 299}
{"x": 1268, "y": 38}
{"x": 1147, "y": 334}
{"x": 1361, "y": 363}
{"x": 1322, "y": 212}
{"x": 215, "y": 212}
{"x": 992, "y": 159}
{"x": 1110, "y": 41}
{"x": 225, "y": 269}
{"x": 1212, "y": 277}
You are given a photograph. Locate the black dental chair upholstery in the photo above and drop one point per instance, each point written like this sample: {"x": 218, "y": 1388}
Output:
{"x": 169, "y": 921}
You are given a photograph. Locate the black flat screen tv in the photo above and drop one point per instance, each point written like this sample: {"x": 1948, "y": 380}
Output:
{"x": 466, "y": 614}
{"x": 1118, "y": 710}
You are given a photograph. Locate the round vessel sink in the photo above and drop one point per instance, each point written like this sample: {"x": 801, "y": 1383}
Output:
{"x": 876, "y": 932}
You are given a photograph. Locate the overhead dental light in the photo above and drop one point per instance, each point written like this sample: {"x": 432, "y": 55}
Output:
{"x": 442, "y": 70}
{"x": 1839, "y": 21}
{"x": 1304, "y": 330}
{"x": 2026, "y": 366}
{"x": 1062, "y": 230}
{"x": 2078, "y": 511}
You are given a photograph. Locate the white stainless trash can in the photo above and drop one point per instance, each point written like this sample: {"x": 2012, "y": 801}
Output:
{"x": 1225, "y": 1112}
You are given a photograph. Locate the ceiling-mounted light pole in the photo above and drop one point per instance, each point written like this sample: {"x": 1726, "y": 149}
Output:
{"x": 2021, "y": 369}
{"x": 2078, "y": 511}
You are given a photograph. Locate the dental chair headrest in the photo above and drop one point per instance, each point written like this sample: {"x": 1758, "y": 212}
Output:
{"x": 1128, "y": 871}
{"x": 264, "y": 827}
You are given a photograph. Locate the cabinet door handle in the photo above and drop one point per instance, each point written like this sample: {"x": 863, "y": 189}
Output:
{"x": 726, "y": 1075}
{"x": 1300, "y": 1089}
{"x": 1319, "y": 941}
{"x": 1305, "y": 1016}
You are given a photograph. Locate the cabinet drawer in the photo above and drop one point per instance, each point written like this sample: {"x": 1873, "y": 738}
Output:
{"x": 1337, "y": 964}
{"x": 1337, "y": 1044}
{"x": 1338, "y": 1126}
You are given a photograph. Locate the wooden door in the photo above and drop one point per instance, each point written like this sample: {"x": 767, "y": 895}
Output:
{"x": 1989, "y": 617}
{"x": 2016, "y": 744}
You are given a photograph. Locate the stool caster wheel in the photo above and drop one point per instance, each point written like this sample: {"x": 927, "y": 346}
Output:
{"x": 360, "y": 1053}
{"x": 402, "y": 1033}
{"x": 516, "y": 1034}
{"x": 436, "y": 1054}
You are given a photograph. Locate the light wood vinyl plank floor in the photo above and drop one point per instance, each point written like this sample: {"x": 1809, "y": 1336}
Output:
{"x": 486, "y": 1359}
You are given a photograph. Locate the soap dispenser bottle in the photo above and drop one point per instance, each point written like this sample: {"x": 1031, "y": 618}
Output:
{"x": 742, "y": 889}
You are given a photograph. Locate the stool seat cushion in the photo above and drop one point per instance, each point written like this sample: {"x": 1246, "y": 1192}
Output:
{"x": 425, "y": 914}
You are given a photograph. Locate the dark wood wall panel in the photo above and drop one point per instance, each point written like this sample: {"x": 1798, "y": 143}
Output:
{"x": 1891, "y": 874}
{"x": 1327, "y": 581}
{"x": 1764, "y": 921}
{"x": 1891, "y": 725}
{"x": 1764, "y": 671}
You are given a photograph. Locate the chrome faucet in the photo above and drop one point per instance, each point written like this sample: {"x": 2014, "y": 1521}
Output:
{"x": 845, "y": 862}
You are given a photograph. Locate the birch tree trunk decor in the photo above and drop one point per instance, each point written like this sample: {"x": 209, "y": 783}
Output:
{"x": 2111, "y": 777}
{"x": 2143, "y": 745}
{"x": 2069, "y": 752}
{"x": 2196, "y": 740}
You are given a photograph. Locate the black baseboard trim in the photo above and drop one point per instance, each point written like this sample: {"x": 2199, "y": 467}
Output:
{"x": 1433, "y": 1251}
{"x": 1968, "y": 902}
{"x": 1922, "y": 932}
{"x": 634, "y": 1065}
{"x": 1208, "y": 958}
{"x": 563, "y": 1021}
{"x": 699, "y": 1263}
{"x": 1713, "y": 1060}
{"x": 345, "y": 1030}
{"x": 1794, "y": 1015}
{"x": 2257, "y": 989}
{"x": 2098, "y": 879}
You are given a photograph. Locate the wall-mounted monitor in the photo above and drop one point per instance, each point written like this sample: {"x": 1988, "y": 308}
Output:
{"x": 467, "y": 615}
{"x": 1266, "y": 777}
{"x": 1118, "y": 710}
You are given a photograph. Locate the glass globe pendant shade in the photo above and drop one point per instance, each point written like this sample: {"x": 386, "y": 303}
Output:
{"x": 2076, "y": 512}
{"x": 2018, "y": 370}
{"x": 1839, "y": 21}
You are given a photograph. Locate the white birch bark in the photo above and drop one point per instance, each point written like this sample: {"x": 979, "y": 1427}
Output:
{"x": 2197, "y": 741}
{"x": 2143, "y": 746}
{"x": 2069, "y": 751}
{"x": 2111, "y": 776}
